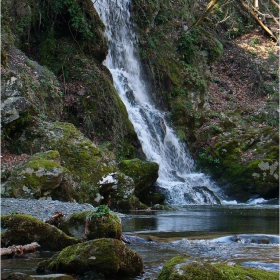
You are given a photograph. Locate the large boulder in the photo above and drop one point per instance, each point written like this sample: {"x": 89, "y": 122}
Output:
{"x": 79, "y": 155}
{"x": 106, "y": 255}
{"x": 144, "y": 175}
{"x": 93, "y": 224}
{"x": 117, "y": 190}
{"x": 19, "y": 229}
{"x": 37, "y": 177}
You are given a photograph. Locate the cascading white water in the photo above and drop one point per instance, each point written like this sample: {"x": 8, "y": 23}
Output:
{"x": 177, "y": 178}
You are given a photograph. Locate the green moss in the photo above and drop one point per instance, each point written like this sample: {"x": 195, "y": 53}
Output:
{"x": 144, "y": 174}
{"x": 244, "y": 273}
{"x": 20, "y": 229}
{"x": 40, "y": 173}
{"x": 180, "y": 268}
{"x": 166, "y": 272}
{"x": 105, "y": 255}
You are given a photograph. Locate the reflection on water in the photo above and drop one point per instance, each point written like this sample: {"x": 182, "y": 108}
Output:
{"x": 203, "y": 220}
{"x": 241, "y": 234}
{"x": 24, "y": 265}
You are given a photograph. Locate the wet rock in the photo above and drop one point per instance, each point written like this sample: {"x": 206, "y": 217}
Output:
{"x": 18, "y": 229}
{"x": 106, "y": 255}
{"x": 144, "y": 174}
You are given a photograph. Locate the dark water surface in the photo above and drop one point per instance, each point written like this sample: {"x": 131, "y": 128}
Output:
{"x": 242, "y": 234}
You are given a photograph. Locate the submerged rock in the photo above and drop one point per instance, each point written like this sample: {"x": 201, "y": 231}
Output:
{"x": 106, "y": 255}
{"x": 18, "y": 229}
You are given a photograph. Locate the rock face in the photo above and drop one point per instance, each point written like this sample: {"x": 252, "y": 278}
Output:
{"x": 107, "y": 256}
{"x": 93, "y": 224}
{"x": 20, "y": 229}
{"x": 144, "y": 175}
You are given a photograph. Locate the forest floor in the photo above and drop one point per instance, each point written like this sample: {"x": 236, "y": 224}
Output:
{"x": 245, "y": 75}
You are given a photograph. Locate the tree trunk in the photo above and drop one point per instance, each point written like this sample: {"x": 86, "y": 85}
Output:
{"x": 256, "y": 4}
{"x": 17, "y": 251}
{"x": 209, "y": 7}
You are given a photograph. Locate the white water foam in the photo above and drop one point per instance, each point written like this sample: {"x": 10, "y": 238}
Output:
{"x": 177, "y": 177}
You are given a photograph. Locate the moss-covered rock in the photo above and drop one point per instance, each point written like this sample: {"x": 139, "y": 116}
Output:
{"x": 92, "y": 225}
{"x": 250, "y": 161}
{"x": 80, "y": 156}
{"x": 182, "y": 268}
{"x": 36, "y": 178}
{"x": 244, "y": 273}
{"x": 117, "y": 190}
{"x": 144, "y": 174}
{"x": 20, "y": 229}
{"x": 107, "y": 256}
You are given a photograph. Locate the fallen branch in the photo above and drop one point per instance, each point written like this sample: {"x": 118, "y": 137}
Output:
{"x": 253, "y": 14}
{"x": 20, "y": 250}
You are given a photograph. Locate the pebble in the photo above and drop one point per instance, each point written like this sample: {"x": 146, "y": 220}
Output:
{"x": 41, "y": 209}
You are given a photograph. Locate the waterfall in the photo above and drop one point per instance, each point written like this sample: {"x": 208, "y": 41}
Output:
{"x": 177, "y": 177}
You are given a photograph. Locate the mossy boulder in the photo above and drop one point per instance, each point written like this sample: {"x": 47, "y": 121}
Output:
{"x": 182, "y": 268}
{"x": 20, "y": 229}
{"x": 106, "y": 255}
{"x": 37, "y": 177}
{"x": 80, "y": 156}
{"x": 117, "y": 190}
{"x": 144, "y": 174}
{"x": 93, "y": 224}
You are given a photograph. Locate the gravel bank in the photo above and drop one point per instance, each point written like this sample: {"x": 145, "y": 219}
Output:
{"x": 41, "y": 209}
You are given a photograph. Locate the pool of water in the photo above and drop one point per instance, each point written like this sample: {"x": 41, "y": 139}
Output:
{"x": 234, "y": 234}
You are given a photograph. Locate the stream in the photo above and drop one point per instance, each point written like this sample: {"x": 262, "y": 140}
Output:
{"x": 233, "y": 234}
